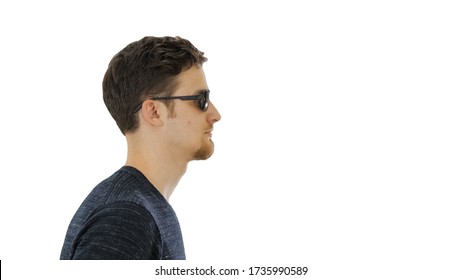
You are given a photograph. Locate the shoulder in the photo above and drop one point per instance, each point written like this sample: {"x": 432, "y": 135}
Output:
{"x": 125, "y": 185}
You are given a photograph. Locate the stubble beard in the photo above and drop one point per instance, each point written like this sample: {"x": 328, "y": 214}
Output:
{"x": 204, "y": 152}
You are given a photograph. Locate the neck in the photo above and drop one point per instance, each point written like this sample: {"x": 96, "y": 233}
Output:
{"x": 161, "y": 169}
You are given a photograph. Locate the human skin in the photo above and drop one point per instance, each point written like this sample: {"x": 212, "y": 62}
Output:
{"x": 166, "y": 142}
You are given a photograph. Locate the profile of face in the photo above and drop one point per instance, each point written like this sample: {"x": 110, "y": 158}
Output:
{"x": 190, "y": 127}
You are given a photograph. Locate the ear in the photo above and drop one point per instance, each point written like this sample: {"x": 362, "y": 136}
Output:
{"x": 151, "y": 112}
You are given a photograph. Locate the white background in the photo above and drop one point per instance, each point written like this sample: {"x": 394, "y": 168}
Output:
{"x": 339, "y": 146}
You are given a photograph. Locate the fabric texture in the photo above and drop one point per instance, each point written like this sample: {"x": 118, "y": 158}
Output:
{"x": 124, "y": 218}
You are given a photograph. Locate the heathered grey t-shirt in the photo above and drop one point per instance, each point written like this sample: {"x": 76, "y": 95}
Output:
{"x": 124, "y": 217}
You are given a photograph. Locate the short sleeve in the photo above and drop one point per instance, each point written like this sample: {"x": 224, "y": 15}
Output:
{"x": 120, "y": 231}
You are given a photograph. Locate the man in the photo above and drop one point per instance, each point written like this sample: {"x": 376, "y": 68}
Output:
{"x": 156, "y": 91}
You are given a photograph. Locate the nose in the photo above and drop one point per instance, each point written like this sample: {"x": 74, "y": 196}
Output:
{"x": 213, "y": 115}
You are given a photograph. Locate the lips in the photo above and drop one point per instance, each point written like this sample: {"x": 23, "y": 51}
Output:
{"x": 208, "y": 132}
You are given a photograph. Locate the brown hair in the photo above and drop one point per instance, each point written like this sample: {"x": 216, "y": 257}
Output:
{"x": 147, "y": 67}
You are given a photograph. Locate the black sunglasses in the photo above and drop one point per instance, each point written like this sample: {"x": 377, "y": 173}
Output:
{"x": 202, "y": 100}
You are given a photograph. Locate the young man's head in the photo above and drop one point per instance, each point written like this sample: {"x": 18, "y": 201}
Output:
{"x": 159, "y": 81}
{"x": 145, "y": 68}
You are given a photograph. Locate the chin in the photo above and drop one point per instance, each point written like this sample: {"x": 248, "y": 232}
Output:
{"x": 205, "y": 152}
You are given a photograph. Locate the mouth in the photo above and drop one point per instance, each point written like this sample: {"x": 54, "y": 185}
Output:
{"x": 209, "y": 132}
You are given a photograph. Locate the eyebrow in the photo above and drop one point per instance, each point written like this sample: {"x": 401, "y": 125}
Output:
{"x": 197, "y": 92}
